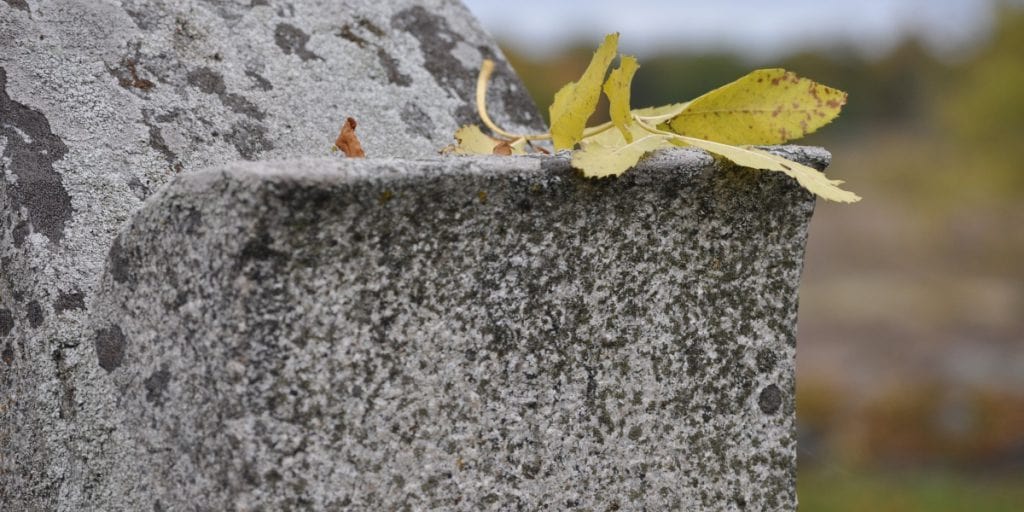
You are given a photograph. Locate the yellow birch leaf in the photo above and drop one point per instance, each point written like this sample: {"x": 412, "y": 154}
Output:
{"x": 575, "y": 102}
{"x": 612, "y": 137}
{"x": 472, "y": 141}
{"x": 608, "y": 153}
{"x": 768, "y": 106}
{"x": 617, "y": 90}
{"x": 808, "y": 177}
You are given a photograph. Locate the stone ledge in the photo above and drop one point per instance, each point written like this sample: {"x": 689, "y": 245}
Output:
{"x": 463, "y": 334}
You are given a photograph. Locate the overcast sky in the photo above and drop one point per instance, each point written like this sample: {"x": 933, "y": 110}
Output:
{"x": 757, "y": 28}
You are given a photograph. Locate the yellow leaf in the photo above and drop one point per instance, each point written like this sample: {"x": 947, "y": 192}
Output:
{"x": 617, "y": 90}
{"x": 472, "y": 141}
{"x": 608, "y": 153}
{"x": 768, "y": 106}
{"x": 612, "y": 137}
{"x": 808, "y": 177}
{"x": 575, "y": 102}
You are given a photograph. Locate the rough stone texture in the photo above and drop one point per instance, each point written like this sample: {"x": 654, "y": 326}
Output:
{"x": 103, "y": 101}
{"x": 458, "y": 334}
{"x": 490, "y": 333}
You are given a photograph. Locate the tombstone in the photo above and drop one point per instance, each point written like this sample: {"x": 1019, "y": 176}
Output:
{"x": 282, "y": 328}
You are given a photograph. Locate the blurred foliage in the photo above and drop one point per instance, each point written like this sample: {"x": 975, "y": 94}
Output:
{"x": 924, "y": 424}
{"x": 846, "y": 491}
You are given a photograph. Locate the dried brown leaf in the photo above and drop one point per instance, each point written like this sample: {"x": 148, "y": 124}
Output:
{"x": 347, "y": 141}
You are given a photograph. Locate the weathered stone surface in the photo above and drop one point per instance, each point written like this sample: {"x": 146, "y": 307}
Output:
{"x": 488, "y": 333}
{"x": 467, "y": 334}
{"x": 103, "y": 101}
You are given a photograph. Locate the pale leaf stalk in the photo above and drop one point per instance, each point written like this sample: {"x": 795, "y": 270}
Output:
{"x": 486, "y": 70}
{"x": 654, "y": 120}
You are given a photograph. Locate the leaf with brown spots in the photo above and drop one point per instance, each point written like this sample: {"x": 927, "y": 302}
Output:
{"x": 347, "y": 141}
{"x": 768, "y": 106}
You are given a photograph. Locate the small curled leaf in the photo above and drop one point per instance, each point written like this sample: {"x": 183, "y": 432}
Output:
{"x": 347, "y": 141}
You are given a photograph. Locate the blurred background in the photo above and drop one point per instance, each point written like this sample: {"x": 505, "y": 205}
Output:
{"x": 910, "y": 366}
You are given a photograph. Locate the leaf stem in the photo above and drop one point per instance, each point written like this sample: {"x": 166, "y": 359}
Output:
{"x": 654, "y": 119}
{"x": 486, "y": 70}
{"x": 642, "y": 122}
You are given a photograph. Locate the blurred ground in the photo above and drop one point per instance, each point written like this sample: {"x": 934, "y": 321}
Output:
{"x": 911, "y": 337}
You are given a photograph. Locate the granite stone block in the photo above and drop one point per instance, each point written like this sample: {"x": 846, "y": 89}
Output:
{"x": 402, "y": 332}
{"x": 487, "y": 333}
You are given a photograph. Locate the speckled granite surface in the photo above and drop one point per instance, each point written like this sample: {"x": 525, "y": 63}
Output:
{"x": 488, "y": 333}
{"x": 103, "y": 101}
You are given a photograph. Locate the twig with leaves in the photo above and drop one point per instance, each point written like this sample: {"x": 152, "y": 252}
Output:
{"x": 767, "y": 106}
